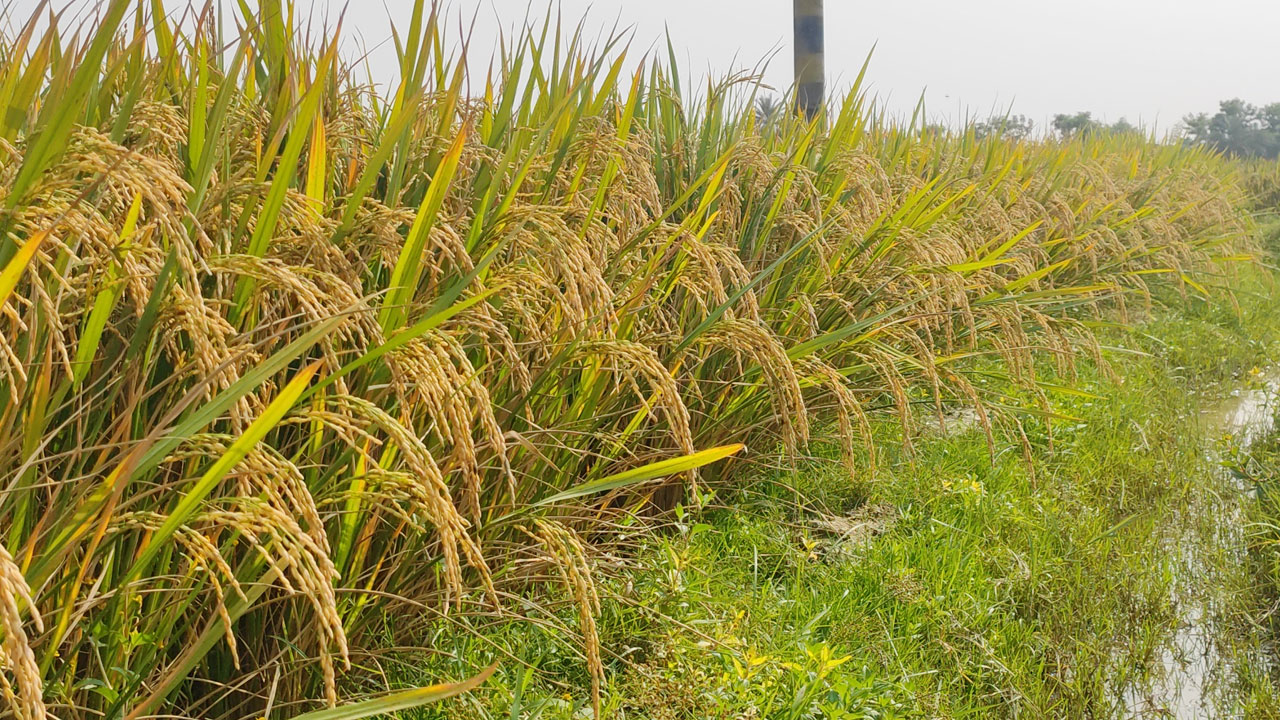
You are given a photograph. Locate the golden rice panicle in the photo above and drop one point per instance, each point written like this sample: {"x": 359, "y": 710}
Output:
{"x": 632, "y": 357}
{"x": 897, "y": 386}
{"x": 264, "y": 474}
{"x": 497, "y": 343}
{"x": 967, "y": 391}
{"x": 755, "y": 341}
{"x": 205, "y": 556}
{"x": 569, "y": 267}
{"x": 301, "y": 566}
{"x": 564, "y": 549}
{"x": 848, "y": 410}
{"x": 288, "y": 296}
{"x": 713, "y": 271}
{"x": 20, "y": 681}
{"x": 438, "y": 505}
{"x": 434, "y": 373}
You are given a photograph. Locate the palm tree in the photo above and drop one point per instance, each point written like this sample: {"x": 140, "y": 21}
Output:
{"x": 768, "y": 110}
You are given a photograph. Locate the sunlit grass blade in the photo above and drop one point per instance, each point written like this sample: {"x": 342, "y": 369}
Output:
{"x": 403, "y": 700}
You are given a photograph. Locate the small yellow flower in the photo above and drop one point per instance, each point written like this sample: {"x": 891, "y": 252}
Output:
{"x": 968, "y": 485}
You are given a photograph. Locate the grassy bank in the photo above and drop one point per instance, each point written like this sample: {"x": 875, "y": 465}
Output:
{"x": 301, "y": 379}
{"x": 953, "y": 582}
{"x": 1253, "y": 586}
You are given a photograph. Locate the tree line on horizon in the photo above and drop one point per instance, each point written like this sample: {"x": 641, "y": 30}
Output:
{"x": 1238, "y": 128}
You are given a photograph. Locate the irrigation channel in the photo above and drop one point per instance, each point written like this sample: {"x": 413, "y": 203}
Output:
{"x": 1192, "y": 670}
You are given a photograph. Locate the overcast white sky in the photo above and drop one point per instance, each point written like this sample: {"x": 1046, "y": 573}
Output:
{"x": 1147, "y": 60}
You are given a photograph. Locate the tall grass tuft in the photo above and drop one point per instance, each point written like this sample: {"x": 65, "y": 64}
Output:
{"x": 281, "y": 357}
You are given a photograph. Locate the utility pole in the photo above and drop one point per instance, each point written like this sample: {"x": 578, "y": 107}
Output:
{"x": 809, "y": 66}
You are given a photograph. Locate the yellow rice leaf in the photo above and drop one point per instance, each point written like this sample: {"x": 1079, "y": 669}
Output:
{"x": 17, "y": 265}
{"x": 1197, "y": 286}
{"x": 662, "y": 468}
{"x": 979, "y": 265}
{"x": 316, "y": 163}
{"x": 403, "y": 700}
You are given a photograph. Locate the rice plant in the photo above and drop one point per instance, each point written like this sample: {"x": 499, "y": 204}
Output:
{"x": 283, "y": 357}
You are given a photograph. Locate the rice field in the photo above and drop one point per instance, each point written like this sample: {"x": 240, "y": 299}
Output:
{"x": 284, "y": 359}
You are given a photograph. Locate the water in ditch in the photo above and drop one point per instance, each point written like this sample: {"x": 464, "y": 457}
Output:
{"x": 1186, "y": 681}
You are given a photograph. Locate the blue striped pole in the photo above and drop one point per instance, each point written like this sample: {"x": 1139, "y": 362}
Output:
{"x": 809, "y": 67}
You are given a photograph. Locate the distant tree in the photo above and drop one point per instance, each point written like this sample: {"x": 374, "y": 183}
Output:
{"x": 1077, "y": 124}
{"x": 768, "y": 109}
{"x": 934, "y": 129}
{"x": 1013, "y": 127}
{"x": 1083, "y": 123}
{"x": 1238, "y": 129}
{"x": 1123, "y": 126}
